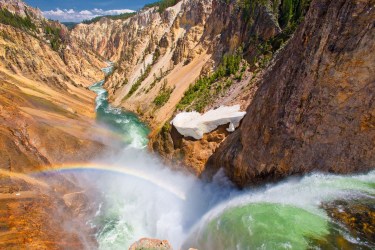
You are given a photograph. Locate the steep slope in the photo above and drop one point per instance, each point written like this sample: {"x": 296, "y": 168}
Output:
{"x": 40, "y": 125}
{"x": 314, "y": 110}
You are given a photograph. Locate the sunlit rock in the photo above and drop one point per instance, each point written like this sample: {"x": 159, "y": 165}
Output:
{"x": 146, "y": 243}
{"x": 194, "y": 124}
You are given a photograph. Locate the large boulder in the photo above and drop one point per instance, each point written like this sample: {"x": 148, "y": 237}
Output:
{"x": 151, "y": 244}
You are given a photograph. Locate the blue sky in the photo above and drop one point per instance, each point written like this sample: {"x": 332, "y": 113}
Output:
{"x": 78, "y": 10}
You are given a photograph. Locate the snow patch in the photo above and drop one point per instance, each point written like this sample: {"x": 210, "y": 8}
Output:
{"x": 193, "y": 124}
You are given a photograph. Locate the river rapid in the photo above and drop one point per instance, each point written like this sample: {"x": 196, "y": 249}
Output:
{"x": 143, "y": 198}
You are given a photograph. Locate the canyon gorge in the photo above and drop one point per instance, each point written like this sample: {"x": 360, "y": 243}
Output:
{"x": 92, "y": 158}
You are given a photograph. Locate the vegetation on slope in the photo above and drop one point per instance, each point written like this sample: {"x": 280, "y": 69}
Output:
{"x": 123, "y": 16}
{"x": 289, "y": 13}
{"x": 162, "y": 4}
{"x": 292, "y": 12}
{"x": 164, "y": 95}
{"x": 138, "y": 83}
{"x": 8, "y": 18}
{"x": 53, "y": 35}
{"x": 203, "y": 90}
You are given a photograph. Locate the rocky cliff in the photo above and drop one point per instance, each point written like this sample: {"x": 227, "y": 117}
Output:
{"x": 314, "y": 110}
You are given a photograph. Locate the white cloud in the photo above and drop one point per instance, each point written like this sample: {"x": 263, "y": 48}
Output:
{"x": 77, "y": 16}
{"x": 85, "y": 12}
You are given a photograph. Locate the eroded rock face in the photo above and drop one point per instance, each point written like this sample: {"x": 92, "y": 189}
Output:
{"x": 20, "y": 8}
{"x": 315, "y": 108}
{"x": 30, "y": 56}
{"x": 154, "y": 244}
{"x": 34, "y": 216}
{"x": 187, "y": 153}
{"x": 357, "y": 216}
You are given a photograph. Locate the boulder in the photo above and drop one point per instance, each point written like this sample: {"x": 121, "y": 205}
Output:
{"x": 153, "y": 244}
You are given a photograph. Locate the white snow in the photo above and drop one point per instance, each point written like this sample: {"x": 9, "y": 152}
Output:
{"x": 193, "y": 124}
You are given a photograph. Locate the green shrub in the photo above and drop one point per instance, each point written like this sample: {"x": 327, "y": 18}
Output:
{"x": 292, "y": 12}
{"x": 53, "y": 35}
{"x": 199, "y": 94}
{"x": 164, "y": 95}
{"x": 162, "y": 4}
{"x": 248, "y": 8}
{"x": 138, "y": 83}
{"x": 289, "y": 13}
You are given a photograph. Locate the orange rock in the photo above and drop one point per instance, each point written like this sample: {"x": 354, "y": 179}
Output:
{"x": 147, "y": 243}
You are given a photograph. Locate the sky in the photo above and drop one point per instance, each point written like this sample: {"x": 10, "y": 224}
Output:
{"x": 78, "y": 10}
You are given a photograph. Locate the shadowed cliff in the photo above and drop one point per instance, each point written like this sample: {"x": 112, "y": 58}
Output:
{"x": 315, "y": 108}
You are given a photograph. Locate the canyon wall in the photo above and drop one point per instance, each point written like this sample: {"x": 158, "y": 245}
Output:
{"x": 314, "y": 110}
{"x": 46, "y": 119}
{"x": 165, "y": 52}
{"x": 44, "y": 101}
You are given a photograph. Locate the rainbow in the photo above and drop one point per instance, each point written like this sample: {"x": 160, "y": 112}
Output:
{"x": 114, "y": 169}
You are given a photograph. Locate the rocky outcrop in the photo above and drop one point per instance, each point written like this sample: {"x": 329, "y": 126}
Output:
{"x": 187, "y": 154}
{"x": 146, "y": 243}
{"x": 314, "y": 110}
{"x": 20, "y": 8}
{"x": 357, "y": 216}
